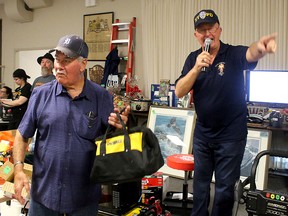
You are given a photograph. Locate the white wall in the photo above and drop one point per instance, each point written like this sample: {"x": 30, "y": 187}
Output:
{"x": 26, "y": 61}
{"x": 50, "y": 23}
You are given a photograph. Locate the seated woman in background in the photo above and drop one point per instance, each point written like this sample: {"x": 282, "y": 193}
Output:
{"x": 6, "y": 93}
{"x": 20, "y": 102}
{"x": 6, "y": 112}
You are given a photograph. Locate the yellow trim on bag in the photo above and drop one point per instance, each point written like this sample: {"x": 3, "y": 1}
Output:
{"x": 116, "y": 144}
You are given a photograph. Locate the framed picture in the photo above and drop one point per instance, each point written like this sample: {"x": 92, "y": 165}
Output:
{"x": 174, "y": 129}
{"x": 257, "y": 140}
{"x": 96, "y": 73}
{"x": 97, "y": 33}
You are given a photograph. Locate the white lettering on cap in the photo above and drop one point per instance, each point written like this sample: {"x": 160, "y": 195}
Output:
{"x": 204, "y": 14}
{"x": 67, "y": 41}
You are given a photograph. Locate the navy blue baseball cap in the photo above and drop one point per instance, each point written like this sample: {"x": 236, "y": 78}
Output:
{"x": 72, "y": 46}
{"x": 205, "y": 16}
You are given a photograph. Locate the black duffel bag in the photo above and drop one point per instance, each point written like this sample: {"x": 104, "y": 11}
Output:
{"x": 126, "y": 155}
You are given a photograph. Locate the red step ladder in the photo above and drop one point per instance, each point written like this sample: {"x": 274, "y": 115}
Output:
{"x": 128, "y": 41}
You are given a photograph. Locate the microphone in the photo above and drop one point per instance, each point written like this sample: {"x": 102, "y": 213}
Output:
{"x": 207, "y": 43}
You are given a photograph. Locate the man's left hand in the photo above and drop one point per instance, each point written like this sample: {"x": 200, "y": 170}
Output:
{"x": 267, "y": 44}
{"x": 113, "y": 119}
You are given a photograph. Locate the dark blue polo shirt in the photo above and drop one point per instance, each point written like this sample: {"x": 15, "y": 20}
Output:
{"x": 64, "y": 148}
{"x": 219, "y": 95}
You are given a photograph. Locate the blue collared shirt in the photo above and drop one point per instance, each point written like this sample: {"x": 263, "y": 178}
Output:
{"x": 64, "y": 148}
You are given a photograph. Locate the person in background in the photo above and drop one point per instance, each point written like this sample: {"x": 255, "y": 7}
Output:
{"x": 47, "y": 64}
{"x": 219, "y": 98}
{"x": 5, "y": 112}
{"x": 20, "y": 102}
{"x": 68, "y": 115}
{"x": 6, "y": 93}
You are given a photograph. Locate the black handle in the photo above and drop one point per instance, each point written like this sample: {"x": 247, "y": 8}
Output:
{"x": 126, "y": 137}
{"x": 274, "y": 153}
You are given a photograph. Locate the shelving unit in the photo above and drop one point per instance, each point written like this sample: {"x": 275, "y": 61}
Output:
{"x": 127, "y": 44}
{"x": 278, "y": 172}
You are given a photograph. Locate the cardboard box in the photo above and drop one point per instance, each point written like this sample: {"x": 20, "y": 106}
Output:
{"x": 7, "y": 171}
{"x": 28, "y": 169}
{"x": 8, "y": 189}
{"x": 166, "y": 184}
{"x": 152, "y": 188}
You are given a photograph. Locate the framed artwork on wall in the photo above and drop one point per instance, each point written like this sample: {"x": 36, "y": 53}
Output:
{"x": 174, "y": 129}
{"x": 257, "y": 141}
{"x": 96, "y": 73}
{"x": 97, "y": 33}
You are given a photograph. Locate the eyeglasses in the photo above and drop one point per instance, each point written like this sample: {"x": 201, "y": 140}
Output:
{"x": 211, "y": 30}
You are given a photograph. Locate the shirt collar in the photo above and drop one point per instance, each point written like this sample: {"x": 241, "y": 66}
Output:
{"x": 83, "y": 94}
{"x": 223, "y": 47}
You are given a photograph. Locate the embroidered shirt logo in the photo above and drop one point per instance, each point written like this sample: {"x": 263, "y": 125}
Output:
{"x": 220, "y": 68}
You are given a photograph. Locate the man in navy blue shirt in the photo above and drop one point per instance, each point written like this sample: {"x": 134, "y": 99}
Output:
{"x": 68, "y": 113}
{"x": 219, "y": 98}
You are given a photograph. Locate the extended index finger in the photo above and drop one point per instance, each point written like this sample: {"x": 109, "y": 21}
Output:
{"x": 267, "y": 38}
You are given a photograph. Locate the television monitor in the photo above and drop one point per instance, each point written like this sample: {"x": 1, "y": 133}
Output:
{"x": 267, "y": 88}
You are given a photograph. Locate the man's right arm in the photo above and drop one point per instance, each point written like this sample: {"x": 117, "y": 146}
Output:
{"x": 20, "y": 179}
{"x": 185, "y": 84}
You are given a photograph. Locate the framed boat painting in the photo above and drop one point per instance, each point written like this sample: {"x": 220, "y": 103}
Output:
{"x": 174, "y": 129}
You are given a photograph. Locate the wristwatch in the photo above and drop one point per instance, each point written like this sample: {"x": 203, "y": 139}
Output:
{"x": 18, "y": 162}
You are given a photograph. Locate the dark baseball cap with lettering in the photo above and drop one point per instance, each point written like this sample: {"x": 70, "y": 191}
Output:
{"x": 205, "y": 16}
{"x": 72, "y": 46}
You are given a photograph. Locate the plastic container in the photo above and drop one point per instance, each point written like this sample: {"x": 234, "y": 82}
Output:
{"x": 275, "y": 119}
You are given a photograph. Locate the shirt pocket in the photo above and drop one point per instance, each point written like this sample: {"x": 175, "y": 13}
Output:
{"x": 88, "y": 127}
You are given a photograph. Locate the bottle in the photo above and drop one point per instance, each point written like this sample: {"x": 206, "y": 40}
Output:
{"x": 276, "y": 119}
{"x": 280, "y": 119}
{"x": 271, "y": 117}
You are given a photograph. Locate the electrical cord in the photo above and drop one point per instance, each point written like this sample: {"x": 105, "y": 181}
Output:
{"x": 24, "y": 210}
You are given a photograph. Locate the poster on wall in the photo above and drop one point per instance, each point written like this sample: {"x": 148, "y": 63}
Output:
{"x": 97, "y": 33}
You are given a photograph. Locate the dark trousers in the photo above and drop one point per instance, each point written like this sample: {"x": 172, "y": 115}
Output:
{"x": 37, "y": 209}
{"x": 225, "y": 160}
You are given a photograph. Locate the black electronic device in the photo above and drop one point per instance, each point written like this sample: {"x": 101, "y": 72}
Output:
{"x": 260, "y": 202}
{"x": 121, "y": 197}
{"x": 267, "y": 88}
{"x": 255, "y": 118}
{"x": 267, "y": 202}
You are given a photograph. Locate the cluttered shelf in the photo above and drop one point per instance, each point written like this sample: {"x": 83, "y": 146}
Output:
{"x": 265, "y": 125}
{"x": 278, "y": 166}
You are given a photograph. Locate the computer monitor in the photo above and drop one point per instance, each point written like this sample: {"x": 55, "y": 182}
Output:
{"x": 267, "y": 88}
